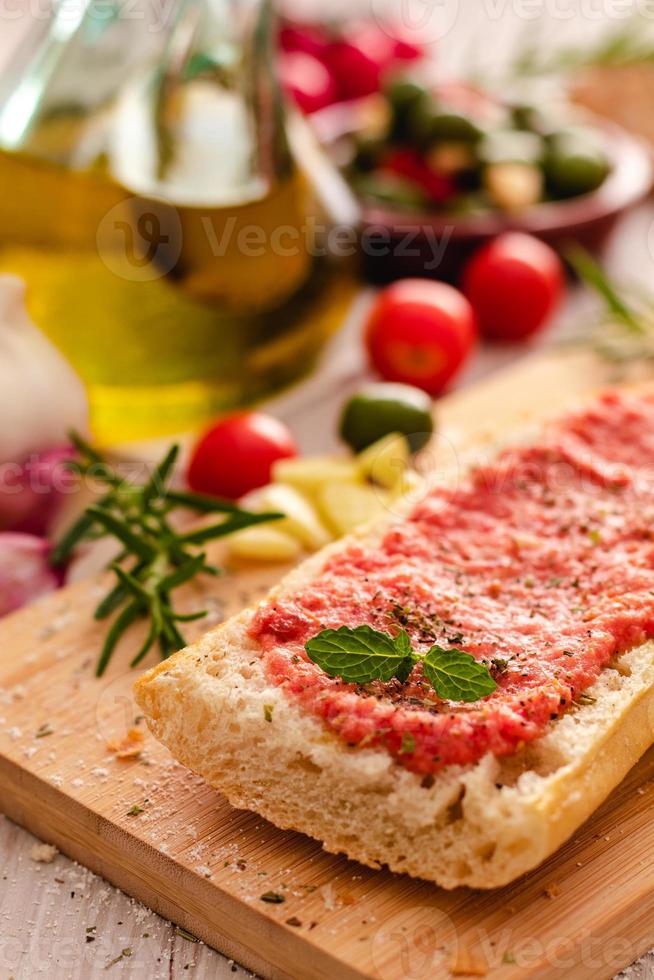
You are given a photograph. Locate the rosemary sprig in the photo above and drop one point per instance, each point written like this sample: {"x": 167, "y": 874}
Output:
{"x": 631, "y": 45}
{"x": 593, "y": 275}
{"x": 624, "y": 333}
{"x": 155, "y": 558}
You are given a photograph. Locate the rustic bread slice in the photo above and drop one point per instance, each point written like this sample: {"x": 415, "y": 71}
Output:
{"x": 480, "y": 825}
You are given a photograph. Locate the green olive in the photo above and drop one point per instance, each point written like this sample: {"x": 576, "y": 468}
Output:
{"x": 576, "y": 163}
{"x": 429, "y": 125}
{"x": 404, "y": 96}
{"x": 381, "y": 408}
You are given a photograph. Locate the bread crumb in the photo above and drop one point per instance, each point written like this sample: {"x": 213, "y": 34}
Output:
{"x": 464, "y": 963}
{"x": 43, "y": 853}
{"x": 328, "y": 897}
{"x": 129, "y": 747}
{"x": 553, "y": 890}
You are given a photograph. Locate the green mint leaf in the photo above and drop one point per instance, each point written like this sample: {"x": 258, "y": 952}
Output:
{"x": 403, "y": 646}
{"x": 456, "y": 675}
{"x": 362, "y": 654}
{"x": 404, "y": 670}
{"x": 359, "y": 655}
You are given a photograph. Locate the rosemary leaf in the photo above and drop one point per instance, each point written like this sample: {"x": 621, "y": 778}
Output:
{"x": 592, "y": 274}
{"x": 235, "y": 522}
{"x": 76, "y": 533}
{"x": 147, "y": 644}
{"x": 184, "y": 573}
{"x": 202, "y": 504}
{"x": 160, "y": 475}
{"x": 121, "y": 530}
{"x": 111, "y": 602}
{"x": 118, "y": 627}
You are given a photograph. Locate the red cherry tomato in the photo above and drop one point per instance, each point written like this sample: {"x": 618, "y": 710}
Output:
{"x": 236, "y": 455}
{"x": 421, "y": 333}
{"x": 355, "y": 72}
{"x": 514, "y": 284}
{"x": 376, "y": 43}
{"x": 408, "y": 163}
{"x": 404, "y": 48}
{"x": 307, "y": 80}
{"x": 310, "y": 38}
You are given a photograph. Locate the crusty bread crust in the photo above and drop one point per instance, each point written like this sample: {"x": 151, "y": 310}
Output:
{"x": 480, "y": 825}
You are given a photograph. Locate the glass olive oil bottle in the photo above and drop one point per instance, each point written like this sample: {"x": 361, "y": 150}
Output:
{"x": 149, "y": 200}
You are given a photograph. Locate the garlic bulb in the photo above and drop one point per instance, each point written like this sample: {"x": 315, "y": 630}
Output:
{"x": 41, "y": 397}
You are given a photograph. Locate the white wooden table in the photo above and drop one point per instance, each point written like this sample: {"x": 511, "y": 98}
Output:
{"x": 58, "y": 919}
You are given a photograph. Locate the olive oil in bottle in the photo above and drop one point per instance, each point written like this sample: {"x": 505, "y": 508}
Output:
{"x": 158, "y": 218}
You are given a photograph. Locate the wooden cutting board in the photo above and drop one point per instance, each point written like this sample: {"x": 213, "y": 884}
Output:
{"x": 186, "y": 853}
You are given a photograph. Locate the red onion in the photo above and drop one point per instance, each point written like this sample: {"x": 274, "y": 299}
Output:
{"x": 31, "y": 491}
{"x": 24, "y": 570}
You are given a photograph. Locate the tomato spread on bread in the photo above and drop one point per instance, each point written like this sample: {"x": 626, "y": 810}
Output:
{"x": 540, "y": 564}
